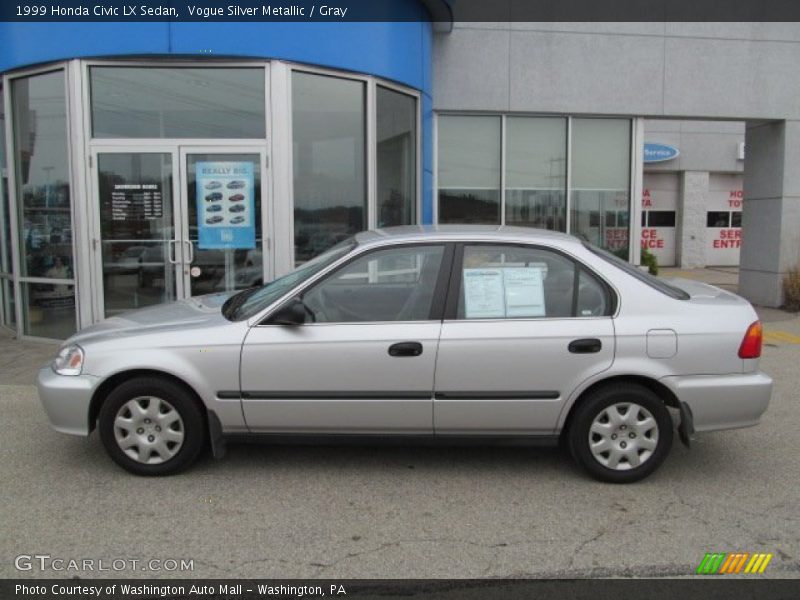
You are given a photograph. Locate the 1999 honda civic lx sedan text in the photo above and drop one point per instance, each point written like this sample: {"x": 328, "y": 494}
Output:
{"x": 440, "y": 333}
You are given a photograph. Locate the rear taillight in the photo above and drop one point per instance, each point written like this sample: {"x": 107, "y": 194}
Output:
{"x": 751, "y": 344}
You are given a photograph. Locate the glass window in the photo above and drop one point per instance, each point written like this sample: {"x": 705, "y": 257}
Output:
{"x": 634, "y": 271}
{"x": 736, "y": 219}
{"x": 40, "y": 132}
{"x": 601, "y": 181}
{"x": 159, "y": 102}
{"x": 48, "y": 310}
{"x": 469, "y": 169}
{"x": 240, "y": 266}
{"x": 5, "y": 232}
{"x": 396, "y": 158}
{"x": 662, "y": 218}
{"x": 515, "y": 282}
{"x": 248, "y": 303}
{"x": 43, "y": 204}
{"x": 9, "y": 306}
{"x": 718, "y": 219}
{"x": 536, "y": 175}
{"x": 387, "y": 285}
{"x": 329, "y": 157}
{"x": 135, "y": 229}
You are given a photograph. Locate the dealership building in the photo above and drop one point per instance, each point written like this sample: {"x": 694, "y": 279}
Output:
{"x": 147, "y": 162}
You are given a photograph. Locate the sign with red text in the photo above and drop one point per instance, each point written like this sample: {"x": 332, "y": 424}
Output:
{"x": 725, "y": 198}
{"x": 659, "y": 203}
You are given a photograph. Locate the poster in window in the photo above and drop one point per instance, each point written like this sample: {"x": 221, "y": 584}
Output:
{"x": 225, "y": 205}
{"x": 504, "y": 293}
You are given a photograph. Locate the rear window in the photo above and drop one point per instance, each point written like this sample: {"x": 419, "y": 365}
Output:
{"x": 643, "y": 276}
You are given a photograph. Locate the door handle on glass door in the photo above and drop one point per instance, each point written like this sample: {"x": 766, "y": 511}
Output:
{"x": 405, "y": 349}
{"x": 171, "y": 252}
{"x": 190, "y": 243}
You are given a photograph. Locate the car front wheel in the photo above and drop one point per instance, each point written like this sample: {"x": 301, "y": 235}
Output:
{"x": 152, "y": 426}
{"x": 621, "y": 433}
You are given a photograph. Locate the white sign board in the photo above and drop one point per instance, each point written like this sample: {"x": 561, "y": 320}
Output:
{"x": 494, "y": 293}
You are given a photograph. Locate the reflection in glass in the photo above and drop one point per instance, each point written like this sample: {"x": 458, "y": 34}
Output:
{"x": 9, "y": 304}
{"x": 43, "y": 204}
{"x": 396, "y": 158}
{"x": 5, "y": 232}
{"x": 40, "y": 129}
{"x": 135, "y": 229}
{"x": 48, "y": 310}
{"x": 536, "y": 175}
{"x": 159, "y": 102}
{"x": 469, "y": 169}
{"x": 224, "y": 269}
{"x": 328, "y": 152}
{"x": 601, "y": 182}
{"x": 718, "y": 219}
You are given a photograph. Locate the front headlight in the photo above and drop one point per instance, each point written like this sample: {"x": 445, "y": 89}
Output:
{"x": 69, "y": 360}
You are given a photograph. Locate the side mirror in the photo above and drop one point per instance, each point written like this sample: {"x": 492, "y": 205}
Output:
{"x": 291, "y": 313}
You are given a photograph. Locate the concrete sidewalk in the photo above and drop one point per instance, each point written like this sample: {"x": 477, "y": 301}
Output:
{"x": 19, "y": 361}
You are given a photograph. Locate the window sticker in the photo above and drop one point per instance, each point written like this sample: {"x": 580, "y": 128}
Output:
{"x": 524, "y": 292}
{"x": 504, "y": 292}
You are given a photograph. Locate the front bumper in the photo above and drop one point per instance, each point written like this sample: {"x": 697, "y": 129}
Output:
{"x": 723, "y": 401}
{"x": 66, "y": 400}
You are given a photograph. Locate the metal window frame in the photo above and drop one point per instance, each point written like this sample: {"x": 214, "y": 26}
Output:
{"x": 18, "y": 279}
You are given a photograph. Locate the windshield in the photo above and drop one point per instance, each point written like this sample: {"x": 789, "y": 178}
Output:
{"x": 654, "y": 282}
{"x": 249, "y": 302}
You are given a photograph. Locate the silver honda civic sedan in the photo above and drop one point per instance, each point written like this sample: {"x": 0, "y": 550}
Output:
{"x": 435, "y": 333}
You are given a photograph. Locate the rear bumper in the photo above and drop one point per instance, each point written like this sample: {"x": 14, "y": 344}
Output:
{"x": 66, "y": 400}
{"x": 723, "y": 401}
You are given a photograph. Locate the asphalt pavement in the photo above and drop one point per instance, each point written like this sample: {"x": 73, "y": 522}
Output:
{"x": 366, "y": 511}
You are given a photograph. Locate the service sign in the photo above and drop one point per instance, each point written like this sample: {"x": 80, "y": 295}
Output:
{"x": 654, "y": 153}
{"x": 225, "y": 205}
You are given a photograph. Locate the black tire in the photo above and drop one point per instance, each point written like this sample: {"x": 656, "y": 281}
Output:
{"x": 593, "y": 406}
{"x": 192, "y": 415}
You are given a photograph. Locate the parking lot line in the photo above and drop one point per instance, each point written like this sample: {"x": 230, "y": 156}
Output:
{"x": 782, "y": 336}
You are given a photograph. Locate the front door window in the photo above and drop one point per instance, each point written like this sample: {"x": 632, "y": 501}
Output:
{"x": 387, "y": 285}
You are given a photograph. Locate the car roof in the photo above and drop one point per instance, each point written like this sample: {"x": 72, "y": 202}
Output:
{"x": 480, "y": 233}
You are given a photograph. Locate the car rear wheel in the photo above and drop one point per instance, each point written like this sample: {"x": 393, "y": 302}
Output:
{"x": 152, "y": 426}
{"x": 621, "y": 433}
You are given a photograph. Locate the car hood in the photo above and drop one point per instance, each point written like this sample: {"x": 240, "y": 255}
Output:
{"x": 199, "y": 311}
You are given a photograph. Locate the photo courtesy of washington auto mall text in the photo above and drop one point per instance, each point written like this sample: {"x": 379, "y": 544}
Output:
{"x": 140, "y": 591}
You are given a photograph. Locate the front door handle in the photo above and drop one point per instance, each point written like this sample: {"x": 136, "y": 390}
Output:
{"x": 585, "y": 346}
{"x": 405, "y": 349}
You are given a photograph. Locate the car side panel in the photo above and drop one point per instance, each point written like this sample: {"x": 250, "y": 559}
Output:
{"x": 513, "y": 376}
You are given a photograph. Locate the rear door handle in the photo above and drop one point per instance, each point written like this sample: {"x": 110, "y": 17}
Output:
{"x": 585, "y": 346}
{"x": 405, "y": 349}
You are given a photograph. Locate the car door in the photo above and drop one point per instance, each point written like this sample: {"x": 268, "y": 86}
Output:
{"x": 523, "y": 327}
{"x": 365, "y": 364}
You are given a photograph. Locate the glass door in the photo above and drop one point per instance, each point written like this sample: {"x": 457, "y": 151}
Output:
{"x": 222, "y": 211}
{"x": 137, "y": 253}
